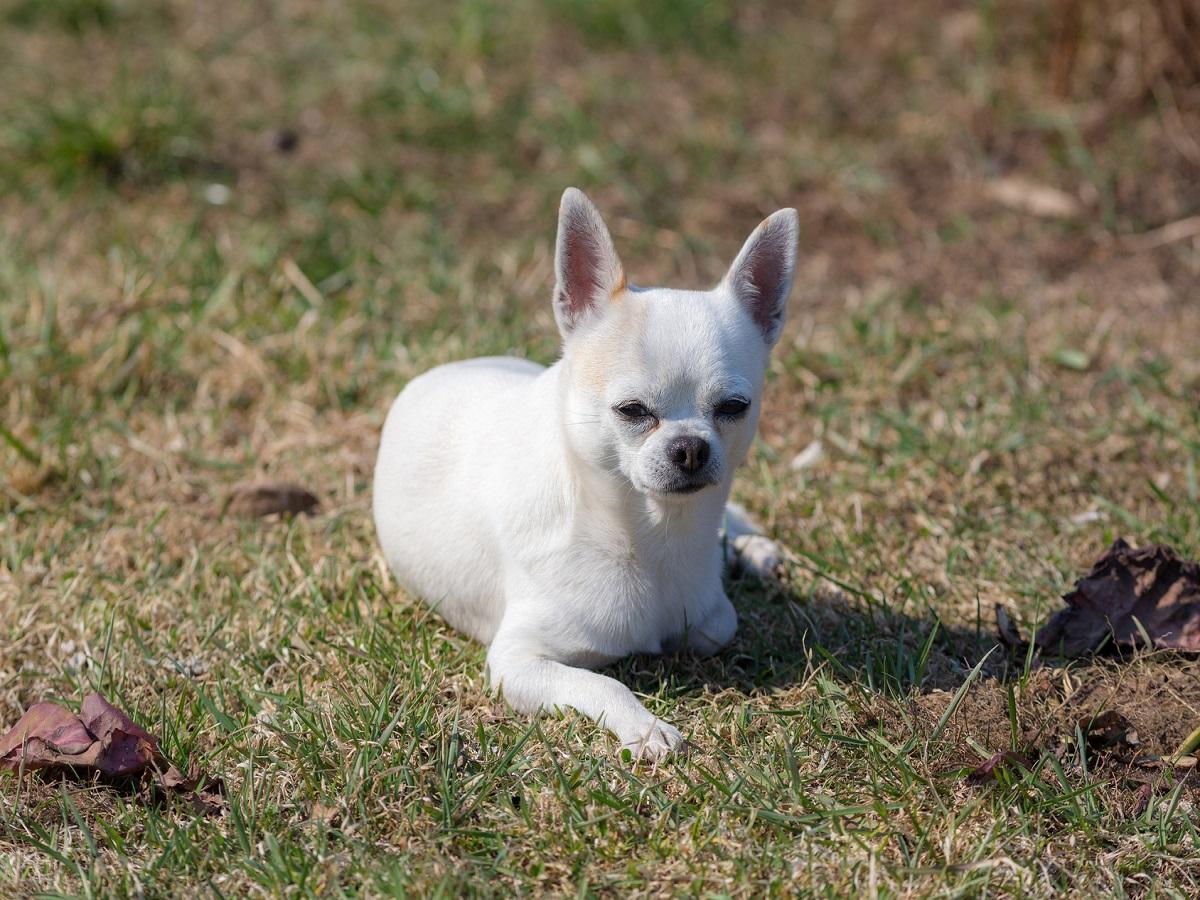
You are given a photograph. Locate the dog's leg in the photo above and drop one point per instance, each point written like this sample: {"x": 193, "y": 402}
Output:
{"x": 531, "y": 684}
{"x": 747, "y": 549}
{"x": 715, "y": 631}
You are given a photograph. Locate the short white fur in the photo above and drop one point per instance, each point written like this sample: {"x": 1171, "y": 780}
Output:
{"x": 536, "y": 514}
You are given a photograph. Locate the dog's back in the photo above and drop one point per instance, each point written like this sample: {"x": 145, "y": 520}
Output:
{"x": 441, "y": 434}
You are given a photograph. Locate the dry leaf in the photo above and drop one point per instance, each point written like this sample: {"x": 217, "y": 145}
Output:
{"x": 174, "y": 780}
{"x": 206, "y": 795}
{"x": 1127, "y": 591}
{"x": 45, "y": 733}
{"x": 102, "y": 719}
{"x": 1142, "y": 800}
{"x": 997, "y": 761}
{"x": 262, "y": 498}
{"x": 1108, "y": 731}
{"x": 102, "y": 739}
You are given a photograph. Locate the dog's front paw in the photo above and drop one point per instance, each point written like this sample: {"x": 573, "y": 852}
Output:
{"x": 757, "y": 555}
{"x": 656, "y": 742}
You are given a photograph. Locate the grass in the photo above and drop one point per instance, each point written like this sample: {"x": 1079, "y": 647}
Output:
{"x": 226, "y": 243}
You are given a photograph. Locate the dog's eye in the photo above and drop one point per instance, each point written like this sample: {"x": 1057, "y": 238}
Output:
{"x": 633, "y": 410}
{"x": 732, "y": 408}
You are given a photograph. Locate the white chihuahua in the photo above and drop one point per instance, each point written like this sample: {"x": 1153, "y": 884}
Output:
{"x": 570, "y": 516}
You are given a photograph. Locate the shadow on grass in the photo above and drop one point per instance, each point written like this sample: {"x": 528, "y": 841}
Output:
{"x": 788, "y": 631}
{"x": 790, "y": 635}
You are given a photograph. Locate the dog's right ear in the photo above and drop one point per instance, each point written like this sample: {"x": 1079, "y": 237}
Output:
{"x": 761, "y": 276}
{"x": 586, "y": 265}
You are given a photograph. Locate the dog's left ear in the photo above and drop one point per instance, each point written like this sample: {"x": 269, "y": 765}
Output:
{"x": 761, "y": 276}
{"x": 585, "y": 263}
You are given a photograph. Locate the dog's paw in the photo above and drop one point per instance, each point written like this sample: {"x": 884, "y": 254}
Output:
{"x": 757, "y": 555}
{"x": 657, "y": 742}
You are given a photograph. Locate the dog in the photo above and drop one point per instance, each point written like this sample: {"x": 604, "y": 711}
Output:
{"x": 569, "y": 516}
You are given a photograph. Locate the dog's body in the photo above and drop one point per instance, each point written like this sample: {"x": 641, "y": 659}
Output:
{"x": 569, "y": 516}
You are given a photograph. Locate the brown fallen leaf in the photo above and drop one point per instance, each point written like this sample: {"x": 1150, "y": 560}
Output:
{"x": 1108, "y": 731}
{"x": 174, "y": 780}
{"x": 207, "y": 804}
{"x": 122, "y": 753}
{"x": 101, "y": 739}
{"x": 1142, "y": 800}
{"x": 55, "y": 731}
{"x": 206, "y": 795}
{"x": 1005, "y": 759}
{"x": 101, "y": 718}
{"x": 262, "y": 498}
{"x": 104, "y": 740}
{"x": 1127, "y": 591}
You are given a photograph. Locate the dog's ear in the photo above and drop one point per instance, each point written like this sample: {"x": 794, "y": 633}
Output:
{"x": 586, "y": 265}
{"x": 761, "y": 276}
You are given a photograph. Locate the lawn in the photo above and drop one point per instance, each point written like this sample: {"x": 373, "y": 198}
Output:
{"x": 229, "y": 233}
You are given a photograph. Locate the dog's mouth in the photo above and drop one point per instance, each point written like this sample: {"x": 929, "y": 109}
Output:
{"x": 688, "y": 487}
{"x": 672, "y": 488}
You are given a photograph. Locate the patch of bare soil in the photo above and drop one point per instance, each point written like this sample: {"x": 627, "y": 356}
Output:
{"x": 1131, "y": 718}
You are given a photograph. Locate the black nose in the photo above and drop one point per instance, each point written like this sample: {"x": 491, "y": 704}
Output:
{"x": 688, "y": 453}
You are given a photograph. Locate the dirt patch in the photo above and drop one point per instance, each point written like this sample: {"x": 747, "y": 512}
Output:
{"x": 1160, "y": 699}
{"x": 1045, "y": 716}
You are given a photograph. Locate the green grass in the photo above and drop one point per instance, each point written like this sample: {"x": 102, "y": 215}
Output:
{"x": 187, "y": 300}
{"x": 70, "y": 15}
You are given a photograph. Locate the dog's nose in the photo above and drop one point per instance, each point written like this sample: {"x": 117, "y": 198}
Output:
{"x": 688, "y": 453}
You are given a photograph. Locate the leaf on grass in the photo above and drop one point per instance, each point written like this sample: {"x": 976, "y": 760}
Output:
{"x": 1001, "y": 761}
{"x": 174, "y": 780}
{"x": 122, "y": 753}
{"x": 1108, "y": 731}
{"x": 102, "y": 739}
{"x": 331, "y": 815}
{"x": 262, "y": 498}
{"x": 51, "y": 729}
{"x": 103, "y": 719}
{"x": 206, "y": 795}
{"x": 207, "y": 803}
{"x": 1141, "y": 800}
{"x": 1127, "y": 592}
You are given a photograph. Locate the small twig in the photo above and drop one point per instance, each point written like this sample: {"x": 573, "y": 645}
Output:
{"x": 1171, "y": 233}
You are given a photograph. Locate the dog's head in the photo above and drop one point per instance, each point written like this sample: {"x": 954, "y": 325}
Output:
{"x": 663, "y": 386}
